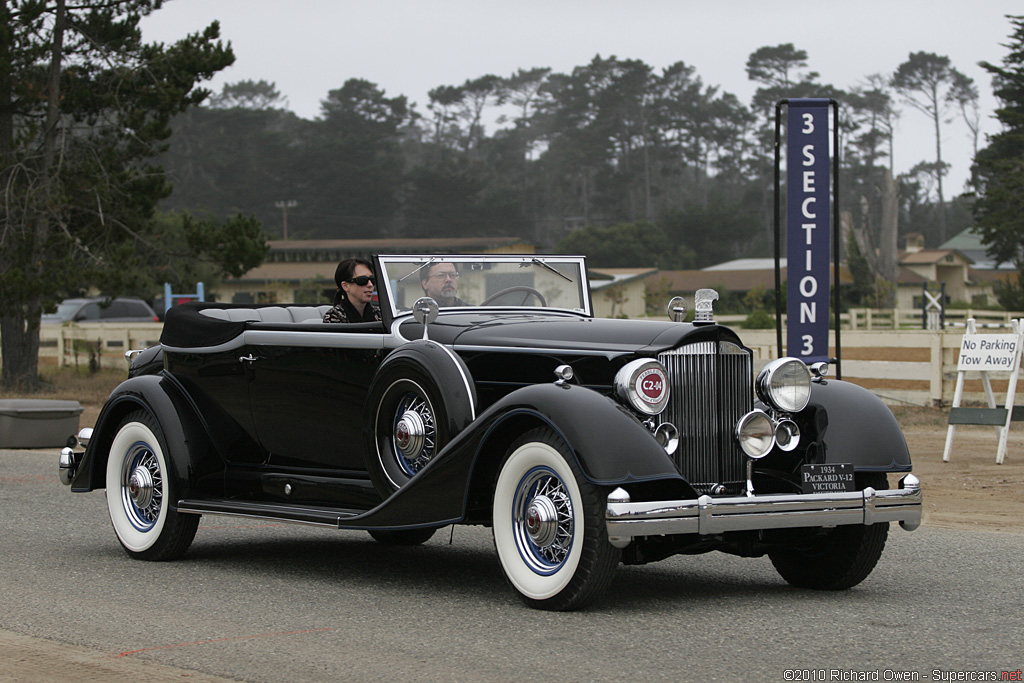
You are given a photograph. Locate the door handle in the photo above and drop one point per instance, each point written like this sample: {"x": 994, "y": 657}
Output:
{"x": 247, "y": 359}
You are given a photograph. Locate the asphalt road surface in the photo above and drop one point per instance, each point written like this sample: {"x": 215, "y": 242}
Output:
{"x": 255, "y": 601}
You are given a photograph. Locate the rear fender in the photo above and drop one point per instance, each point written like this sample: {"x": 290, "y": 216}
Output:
{"x": 192, "y": 461}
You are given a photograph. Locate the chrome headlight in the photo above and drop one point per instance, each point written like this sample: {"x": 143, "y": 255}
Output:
{"x": 784, "y": 384}
{"x": 756, "y": 434}
{"x": 643, "y": 385}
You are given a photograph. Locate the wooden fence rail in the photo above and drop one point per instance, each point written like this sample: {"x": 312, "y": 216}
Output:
{"x": 916, "y": 367}
{"x": 99, "y": 344}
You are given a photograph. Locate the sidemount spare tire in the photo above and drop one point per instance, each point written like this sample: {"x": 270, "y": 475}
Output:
{"x": 421, "y": 397}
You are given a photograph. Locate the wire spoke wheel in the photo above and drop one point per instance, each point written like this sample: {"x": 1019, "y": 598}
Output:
{"x": 548, "y": 524}
{"x": 139, "y": 493}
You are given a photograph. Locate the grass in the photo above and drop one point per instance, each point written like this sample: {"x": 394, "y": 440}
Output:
{"x": 91, "y": 389}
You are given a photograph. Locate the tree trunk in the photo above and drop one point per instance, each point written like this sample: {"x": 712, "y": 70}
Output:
{"x": 939, "y": 173}
{"x": 20, "y": 348}
{"x": 19, "y": 326}
{"x": 888, "y": 242}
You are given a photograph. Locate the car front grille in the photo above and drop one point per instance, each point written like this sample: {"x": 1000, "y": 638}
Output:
{"x": 712, "y": 387}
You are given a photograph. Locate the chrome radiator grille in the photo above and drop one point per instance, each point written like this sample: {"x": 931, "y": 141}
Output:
{"x": 712, "y": 388}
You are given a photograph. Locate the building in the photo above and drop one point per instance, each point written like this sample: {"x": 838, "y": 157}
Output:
{"x": 967, "y": 280}
{"x": 619, "y": 292}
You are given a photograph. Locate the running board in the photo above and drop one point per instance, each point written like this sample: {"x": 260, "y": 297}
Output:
{"x": 284, "y": 513}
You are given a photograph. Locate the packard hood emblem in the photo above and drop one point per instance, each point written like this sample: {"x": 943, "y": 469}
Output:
{"x": 703, "y": 301}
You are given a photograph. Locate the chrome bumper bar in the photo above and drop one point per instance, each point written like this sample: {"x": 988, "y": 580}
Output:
{"x": 709, "y": 516}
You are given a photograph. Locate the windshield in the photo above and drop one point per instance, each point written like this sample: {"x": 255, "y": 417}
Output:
{"x": 492, "y": 281}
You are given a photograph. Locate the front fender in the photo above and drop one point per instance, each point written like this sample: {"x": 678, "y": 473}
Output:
{"x": 861, "y": 428}
{"x": 193, "y": 462}
{"x": 611, "y": 447}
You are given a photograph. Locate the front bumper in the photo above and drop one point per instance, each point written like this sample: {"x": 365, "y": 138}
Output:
{"x": 708, "y": 516}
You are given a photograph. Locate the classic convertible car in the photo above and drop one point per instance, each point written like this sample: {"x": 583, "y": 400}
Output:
{"x": 582, "y": 442}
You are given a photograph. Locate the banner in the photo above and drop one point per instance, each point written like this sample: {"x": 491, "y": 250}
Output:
{"x": 809, "y": 229}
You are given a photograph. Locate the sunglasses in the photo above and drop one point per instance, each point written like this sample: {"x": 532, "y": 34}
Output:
{"x": 362, "y": 280}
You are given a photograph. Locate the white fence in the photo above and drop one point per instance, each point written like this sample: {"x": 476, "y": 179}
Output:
{"x": 96, "y": 343}
{"x": 903, "y": 319}
{"x": 917, "y": 367}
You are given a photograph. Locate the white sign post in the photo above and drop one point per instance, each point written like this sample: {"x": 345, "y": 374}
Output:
{"x": 987, "y": 353}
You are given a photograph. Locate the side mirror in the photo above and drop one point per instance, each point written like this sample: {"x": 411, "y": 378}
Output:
{"x": 425, "y": 312}
{"x": 677, "y": 309}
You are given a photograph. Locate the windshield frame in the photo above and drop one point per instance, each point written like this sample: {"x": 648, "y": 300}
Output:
{"x": 394, "y": 269}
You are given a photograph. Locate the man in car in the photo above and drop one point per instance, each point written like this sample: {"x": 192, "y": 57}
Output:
{"x": 440, "y": 281}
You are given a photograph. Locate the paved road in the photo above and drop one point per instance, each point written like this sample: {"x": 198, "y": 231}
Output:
{"x": 265, "y": 602}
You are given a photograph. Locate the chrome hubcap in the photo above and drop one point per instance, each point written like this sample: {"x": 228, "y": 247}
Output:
{"x": 410, "y": 434}
{"x": 542, "y": 521}
{"x": 140, "y": 487}
{"x": 413, "y": 433}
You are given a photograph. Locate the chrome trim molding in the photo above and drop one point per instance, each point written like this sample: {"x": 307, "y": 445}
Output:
{"x": 370, "y": 341}
{"x": 465, "y": 380}
{"x": 707, "y": 516}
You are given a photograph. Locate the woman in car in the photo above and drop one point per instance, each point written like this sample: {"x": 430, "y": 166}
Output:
{"x": 353, "y": 300}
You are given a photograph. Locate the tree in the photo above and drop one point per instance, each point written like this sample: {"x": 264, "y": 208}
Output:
{"x": 254, "y": 95}
{"x": 778, "y": 70}
{"x": 626, "y": 245}
{"x": 356, "y": 174}
{"x": 84, "y": 107}
{"x": 930, "y": 84}
{"x": 874, "y": 221}
{"x": 1000, "y": 166}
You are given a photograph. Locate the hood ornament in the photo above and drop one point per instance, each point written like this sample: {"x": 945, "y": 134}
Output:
{"x": 703, "y": 302}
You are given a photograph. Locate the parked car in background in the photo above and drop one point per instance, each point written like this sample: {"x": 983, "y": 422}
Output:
{"x": 582, "y": 442}
{"x": 102, "y": 309}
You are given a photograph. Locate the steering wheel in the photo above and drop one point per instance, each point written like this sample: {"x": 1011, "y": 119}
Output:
{"x": 530, "y": 291}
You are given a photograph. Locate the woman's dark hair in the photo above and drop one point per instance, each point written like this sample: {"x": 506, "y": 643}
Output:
{"x": 344, "y": 272}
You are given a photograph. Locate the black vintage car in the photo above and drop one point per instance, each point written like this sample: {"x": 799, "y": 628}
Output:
{"x": 582, "y": 442}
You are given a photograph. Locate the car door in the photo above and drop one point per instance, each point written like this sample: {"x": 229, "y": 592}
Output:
{"x": 308, "y": 390}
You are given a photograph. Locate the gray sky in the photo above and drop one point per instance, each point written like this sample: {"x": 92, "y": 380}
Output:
{"x": 407, "y": 47}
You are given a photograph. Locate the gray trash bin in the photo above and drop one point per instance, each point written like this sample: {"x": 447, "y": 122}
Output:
{"x": 37, "y": 423}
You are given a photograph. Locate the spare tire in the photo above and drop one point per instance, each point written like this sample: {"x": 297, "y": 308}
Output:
{"x": 409, "y": 418}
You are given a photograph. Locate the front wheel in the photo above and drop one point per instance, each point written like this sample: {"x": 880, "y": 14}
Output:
{"x": 835, "y": 559}
{"x": 139, "y": 493}
{"x": 548, "y": 524}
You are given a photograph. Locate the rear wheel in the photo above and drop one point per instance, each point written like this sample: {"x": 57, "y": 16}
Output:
{"x": 548, "y": 524}
{"x": 836, "y": 559}
{"x": 139, "y": 493}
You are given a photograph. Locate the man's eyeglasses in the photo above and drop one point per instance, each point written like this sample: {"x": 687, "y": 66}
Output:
{"x": 362, "y": 280}
{"x": 441, "y": 277}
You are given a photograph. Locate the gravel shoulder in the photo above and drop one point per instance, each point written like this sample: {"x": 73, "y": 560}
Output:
{"x": 970, "y": 491}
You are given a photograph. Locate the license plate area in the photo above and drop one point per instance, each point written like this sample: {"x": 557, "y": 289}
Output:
{"x": 830, "y": 478}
